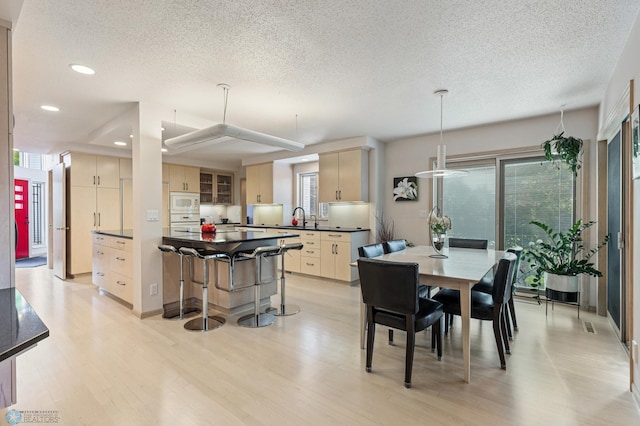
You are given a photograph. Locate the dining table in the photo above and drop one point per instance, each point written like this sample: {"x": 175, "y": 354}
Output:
{"x": 461, "y": 269}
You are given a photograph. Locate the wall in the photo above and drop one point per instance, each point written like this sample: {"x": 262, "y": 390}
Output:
{"x": 628, "y": 68}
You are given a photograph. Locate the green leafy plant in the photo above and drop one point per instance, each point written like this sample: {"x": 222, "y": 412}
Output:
{"x": 561, "y": 253}
{"x": 568, "y": 148}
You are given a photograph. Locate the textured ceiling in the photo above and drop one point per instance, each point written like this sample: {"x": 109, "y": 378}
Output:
{"x": 345, "y": 68}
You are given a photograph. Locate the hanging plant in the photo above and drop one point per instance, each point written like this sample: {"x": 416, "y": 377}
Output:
{"x": 567, "y": 148}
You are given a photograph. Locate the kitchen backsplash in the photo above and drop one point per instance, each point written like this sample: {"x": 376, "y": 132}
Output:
{"x": 349, "y": 215}
{"x": 217, "y": 212}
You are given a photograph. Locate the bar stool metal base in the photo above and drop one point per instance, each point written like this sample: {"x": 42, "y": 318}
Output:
{"x": 174, "y": 313}
{"x": 204, "y": 323}
{"x": 255, "y": 321}
{"x": 285, "y": 310}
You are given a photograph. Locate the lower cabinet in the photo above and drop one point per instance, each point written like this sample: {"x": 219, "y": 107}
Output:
{"x": 337, "y": 252}
{"x": 310, "y": 253}
{"x": 112, "y": 265}
{"x": 292, "y": 258}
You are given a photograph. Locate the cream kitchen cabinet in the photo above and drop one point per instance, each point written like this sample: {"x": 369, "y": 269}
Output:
{"x": 344, "y": 176}
{"x": 113, "y": 265}
{"x": 90, "y": 206}
{"x": 310, "y": 253}
{"x": 260, "y": 183}
{"x": 184, "y": 178}
{"x": 337, "y": 251}
{"x": 216, "y": 187}
{"x": 292, "y": 258}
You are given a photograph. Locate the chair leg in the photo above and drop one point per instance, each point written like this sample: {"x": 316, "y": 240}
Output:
{"x": 436, "y": 333}
{"x": 507, "y": 322}
{"x": 371, "y": 332}
{"x": 512, "y": 311}
{"x": 391, "y": 336}
{"x": 446, "y": 324}
{"x": 498, "y": 337}
{"x": 505, "y": 334}
{"x": 411, "y": 342}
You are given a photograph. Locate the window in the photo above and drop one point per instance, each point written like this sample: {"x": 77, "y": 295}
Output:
{"x": 308, "y": 195}
{"x": 523, "y": 189}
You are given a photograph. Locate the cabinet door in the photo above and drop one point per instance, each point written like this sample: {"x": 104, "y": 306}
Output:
{"x": 206, "y": 188}
{"x": 176, "y": 178}
{"x": 327, "y": 259}
{"x": 266, "y": 183}
{"x": 328, "y": 171}
{"x": 224, "y": 188}
{"x": 83, "y": 170}
{"x": 82, "y": 220}
{"x": 342, "y": 260}
{"x": 165, "y": 204}
{"x": 108, "y": 171}
{"x": 108, "y": 209}
{"x": 350, "y": 176}
{"x": 192, "y": 179}
{"x": 253, "y": 184}
{"x": 100, "y": 265}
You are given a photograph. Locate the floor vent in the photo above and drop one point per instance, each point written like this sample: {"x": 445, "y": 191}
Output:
{"x": 588, "y": 327}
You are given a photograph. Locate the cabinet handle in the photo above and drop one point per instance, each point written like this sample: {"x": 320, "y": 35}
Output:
{"x": 310, "y": 243}
{"x": 94, "y": 219}
{"x": 98, "y": 219}
{"x": 94, "y": 180}
{"x": 98, "y": 180}
{"x": 121, "y": 282}
{"x": 335, "y": 235}
{"x": 310, "y": 251}
{"x": 99, "y": 252}
{"x": 120, "y": 242}
{"x": 336, "y": 249}
{"x": 121, "y": 259}
{"x": 100, "y": 274}
{"x": 336, "y": 194}
{"x": 310, "y": 264}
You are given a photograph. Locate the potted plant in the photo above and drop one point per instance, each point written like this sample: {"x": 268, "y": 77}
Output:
{"x": 560, "y": 259}
{"x": 568, "y": 148}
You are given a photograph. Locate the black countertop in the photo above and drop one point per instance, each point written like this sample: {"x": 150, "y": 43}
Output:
{"x": 20, "y": 326}
{"x": 310, "y": 228}
{"x": 229, "y": 242}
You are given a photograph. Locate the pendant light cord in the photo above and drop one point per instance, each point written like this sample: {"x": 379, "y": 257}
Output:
{"x": 225, "y": 95}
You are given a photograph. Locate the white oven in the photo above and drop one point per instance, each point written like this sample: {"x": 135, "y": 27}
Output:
{"x": 184, "y": 210}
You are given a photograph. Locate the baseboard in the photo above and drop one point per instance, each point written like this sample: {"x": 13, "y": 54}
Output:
{"x": 635, "y": 393}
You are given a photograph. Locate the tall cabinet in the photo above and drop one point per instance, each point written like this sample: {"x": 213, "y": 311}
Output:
{"x": 344, "y": 176}
{"x": 93, "y": 203}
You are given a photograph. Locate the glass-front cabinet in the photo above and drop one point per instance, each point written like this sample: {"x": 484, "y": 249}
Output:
{"x": 216, "y": 187}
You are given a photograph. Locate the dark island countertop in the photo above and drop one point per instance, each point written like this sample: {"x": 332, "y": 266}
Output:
{"x": 20, "y": 326}
{"x": 229, "y": 242}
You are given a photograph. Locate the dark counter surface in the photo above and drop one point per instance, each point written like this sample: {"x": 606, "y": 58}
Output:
{"x": 309, "y": 228}
{"x": 20, "y": 326}
{"x": 229, "y": 242}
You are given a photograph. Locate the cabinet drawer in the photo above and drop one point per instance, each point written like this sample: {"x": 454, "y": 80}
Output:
{"x": 309, "y": 235}
{"x": 309, "y": 265}
{"x": 122, "y": 244}
{"x": 310, "y": 252}
{"x": 121, "y": 262}
{"x": 336, "y": 236}
{"x": 311, "y": 244}
{"x": 101, "y": 240}
{"x": 120, "y": 286}
{"x": 100, "y": 277}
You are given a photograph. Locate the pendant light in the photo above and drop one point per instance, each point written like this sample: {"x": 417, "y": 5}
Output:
{"x": 221, "y": 132}
{"x": 441, "y": 170}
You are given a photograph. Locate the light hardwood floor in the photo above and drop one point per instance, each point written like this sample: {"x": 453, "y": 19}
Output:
{"x": 103, "y": 366}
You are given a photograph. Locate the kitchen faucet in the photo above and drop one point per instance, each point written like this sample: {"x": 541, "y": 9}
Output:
{"x": 315, "y": 220}
{"x": 304, "y": 219}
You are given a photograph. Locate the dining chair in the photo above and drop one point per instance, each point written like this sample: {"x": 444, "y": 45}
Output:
{"x": 371, "y": 250}
{"x": 468, "y": 243}
{"x": 394, "y": 245}
{"x": 485, "y": 285}
{"x": 390, "y": 292}
{"x": 488, "y": 307}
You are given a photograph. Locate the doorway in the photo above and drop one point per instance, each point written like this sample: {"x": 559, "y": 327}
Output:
{"x": 21, "y": 210}
{"x": 614, "y": 221}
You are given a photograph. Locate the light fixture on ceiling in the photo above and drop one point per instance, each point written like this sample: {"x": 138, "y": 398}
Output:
{"x": 441, "y": 170}
{"x": 218, "y": 133}
{"x": 50, "y": 108}
{"x": 82, "y": 69}
{"x": 120, "y": 143}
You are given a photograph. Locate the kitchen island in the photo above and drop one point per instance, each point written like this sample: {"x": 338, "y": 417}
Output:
{"x": 232, "y": 275}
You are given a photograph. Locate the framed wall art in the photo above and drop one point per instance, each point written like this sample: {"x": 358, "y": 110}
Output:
{"x": 405, "y": 188}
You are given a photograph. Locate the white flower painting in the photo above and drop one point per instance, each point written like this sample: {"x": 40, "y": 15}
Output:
{"x": 405, "y": 189}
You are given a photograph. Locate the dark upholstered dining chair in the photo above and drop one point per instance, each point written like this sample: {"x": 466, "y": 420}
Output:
{"x": 394, "y": 245}
{"x": 488, "y": 307}
{"x": 390, "y": 292}
{"x": 371, "y": 250}
{"x": 485, "y": 285}
{"x": 468, "y": 243}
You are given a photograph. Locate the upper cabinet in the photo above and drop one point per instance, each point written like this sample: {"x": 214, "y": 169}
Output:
{"x": 184, "y": 178}
{"x": 94, "y": 171}
{"x": 260, "y": 184}
{"x": 344, "y": 176}
{"x": 216, "y": 187}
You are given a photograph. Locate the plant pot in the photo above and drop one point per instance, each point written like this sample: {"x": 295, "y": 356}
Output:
{"x": 563, "y": 283}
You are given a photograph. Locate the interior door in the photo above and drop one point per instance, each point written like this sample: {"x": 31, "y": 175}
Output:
{"x": 59, "y": 215}
{"x": 614, "y": 219}
{"x": 21, "y": 209}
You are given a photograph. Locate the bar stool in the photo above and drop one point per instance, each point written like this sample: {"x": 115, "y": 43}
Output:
{"x": 205, "y": 322}
{"x": 182, "y": 311}
{"x": 256, "y": 319}
{"x": 285, "y": 310}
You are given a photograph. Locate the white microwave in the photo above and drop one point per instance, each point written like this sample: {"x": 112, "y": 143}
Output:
{"x": 184, "y": 202}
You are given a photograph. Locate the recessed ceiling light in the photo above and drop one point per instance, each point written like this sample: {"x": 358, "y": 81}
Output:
{"x": 131, "y": 136}
{"x": 163, "y": 149}
{"x": 16, "y": 149}
{"x": 82, "y": 69}
{"x": 162, "y": 129}
{"x": 50, "y": 108}
{"x": 120, "y": 143}
{"x": 305, "y": 159}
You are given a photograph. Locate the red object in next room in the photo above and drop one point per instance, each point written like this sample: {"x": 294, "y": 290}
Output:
{"x": 21, "y": 209}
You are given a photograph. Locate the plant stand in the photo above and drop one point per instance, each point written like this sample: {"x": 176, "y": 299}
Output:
{"x": 561, "y": 289}
{"x": 568, "y": 298}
